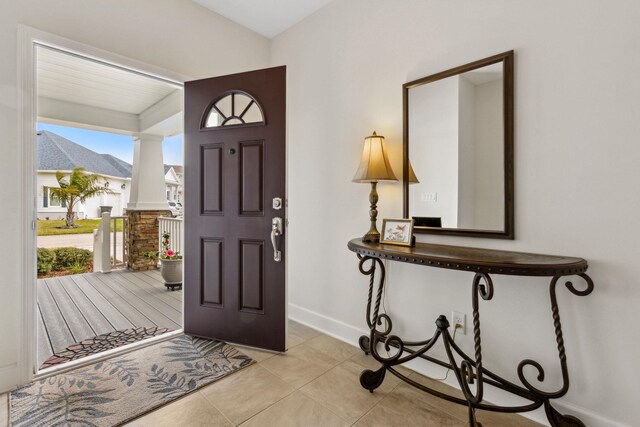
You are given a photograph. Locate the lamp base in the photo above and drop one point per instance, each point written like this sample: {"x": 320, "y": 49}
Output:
{"x": 371, "y": 236}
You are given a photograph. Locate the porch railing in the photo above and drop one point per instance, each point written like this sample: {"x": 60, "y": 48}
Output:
{"x": 175, "y": 227}
{"x": 105, "y": 244}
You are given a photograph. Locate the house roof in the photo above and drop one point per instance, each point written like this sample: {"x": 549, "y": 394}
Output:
{"x": 58, "y": 153}
{"x": 179, "y": 169}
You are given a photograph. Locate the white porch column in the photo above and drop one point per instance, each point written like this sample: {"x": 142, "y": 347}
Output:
{"x": 147, "y": 181}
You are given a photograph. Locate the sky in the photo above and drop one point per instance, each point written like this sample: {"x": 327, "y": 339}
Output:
{"x": 120, "y": 146}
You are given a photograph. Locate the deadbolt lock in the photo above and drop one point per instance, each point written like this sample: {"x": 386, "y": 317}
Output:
{"x": 277, "y": 203}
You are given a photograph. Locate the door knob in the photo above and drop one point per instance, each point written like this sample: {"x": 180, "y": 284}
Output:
{"x": 276, "y": 231}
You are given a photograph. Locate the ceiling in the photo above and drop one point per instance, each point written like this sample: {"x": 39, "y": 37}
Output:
{"x": 82, "y": 92}
{"x": 74, "y": 79}
{"x": 266, "y": 17}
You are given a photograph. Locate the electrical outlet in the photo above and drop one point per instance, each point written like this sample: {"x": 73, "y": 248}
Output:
{"x": 458, "y": 318}
{"x": 429, "y": 197}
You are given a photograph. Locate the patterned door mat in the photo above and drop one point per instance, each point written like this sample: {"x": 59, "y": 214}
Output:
{"x": 122, "y": 388}
{"x": 102, "y": 343}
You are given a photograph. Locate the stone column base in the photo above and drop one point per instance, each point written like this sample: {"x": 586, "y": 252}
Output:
{"x": 142, "y": 235}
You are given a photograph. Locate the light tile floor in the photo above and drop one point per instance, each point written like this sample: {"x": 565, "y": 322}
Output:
{"x": 4, "y": 410}
{"x": 315, "y": 383}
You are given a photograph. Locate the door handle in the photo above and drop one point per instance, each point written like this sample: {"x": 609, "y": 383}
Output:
{"x": 276, "y": 231}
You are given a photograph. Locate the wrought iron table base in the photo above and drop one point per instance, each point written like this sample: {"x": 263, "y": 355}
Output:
{"x": 469, "y": 371}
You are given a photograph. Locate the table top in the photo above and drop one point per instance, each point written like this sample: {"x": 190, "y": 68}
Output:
{"x": 473, "y": 259}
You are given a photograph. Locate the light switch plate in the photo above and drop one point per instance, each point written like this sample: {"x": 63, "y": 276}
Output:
{"x": 429, "y": 197}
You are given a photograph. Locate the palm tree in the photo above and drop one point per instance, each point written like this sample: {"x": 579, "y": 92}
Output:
{"x": 77, "y": 187}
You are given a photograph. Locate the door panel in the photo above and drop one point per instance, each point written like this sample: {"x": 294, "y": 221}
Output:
{"x": 212, "y": 277}
{"x": 235, "y": 149}
{"x": 251, "y": 276}
{"x": 211, "y": 182}
{"x": 251, "y": 178}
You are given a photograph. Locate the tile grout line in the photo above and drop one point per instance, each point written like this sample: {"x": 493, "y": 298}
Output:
{"x": 333, "y": 367}
{"x": 313, "y": 379}
{"x": 214, "y": 405}
{"x": 299, "y": 389}
{"x": 387, "y": 395}
{"x": 323, "y": 405}
{"x": 260, "y": 411}
{"x": 273, "y": 404}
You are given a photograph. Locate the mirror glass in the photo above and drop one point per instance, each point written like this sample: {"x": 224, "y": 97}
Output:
{"x": 459, "y": 177}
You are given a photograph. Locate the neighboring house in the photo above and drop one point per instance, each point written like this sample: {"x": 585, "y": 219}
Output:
{"x": 177, "y": 174}
{"x": 56, "y": 153}
{"x": 174, "y": 184}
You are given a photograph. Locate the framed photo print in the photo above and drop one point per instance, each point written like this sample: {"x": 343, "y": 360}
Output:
{"x": 397, "y": 231}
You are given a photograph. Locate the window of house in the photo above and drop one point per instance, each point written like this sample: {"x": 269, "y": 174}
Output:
{"x": 49, "y": 199}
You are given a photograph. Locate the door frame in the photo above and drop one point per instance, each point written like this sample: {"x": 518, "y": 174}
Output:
{"x": 28, "y": 39}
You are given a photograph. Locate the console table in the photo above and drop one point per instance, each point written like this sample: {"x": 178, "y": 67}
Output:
{"x": 470, "y": 371}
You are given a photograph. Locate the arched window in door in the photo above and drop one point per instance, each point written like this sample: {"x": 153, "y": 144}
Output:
{"x": 234, "y": 108}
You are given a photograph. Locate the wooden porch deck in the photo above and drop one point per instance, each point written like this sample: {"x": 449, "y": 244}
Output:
{"x": 74, "y": 308}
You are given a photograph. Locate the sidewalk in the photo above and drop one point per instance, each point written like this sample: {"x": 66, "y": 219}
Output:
{"x": 83, "y": 241}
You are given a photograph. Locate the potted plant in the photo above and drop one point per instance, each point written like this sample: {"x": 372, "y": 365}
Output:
{"x": 170, "y": 263}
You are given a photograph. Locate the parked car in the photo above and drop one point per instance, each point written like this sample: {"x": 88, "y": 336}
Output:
{"x": 175, "y": 208}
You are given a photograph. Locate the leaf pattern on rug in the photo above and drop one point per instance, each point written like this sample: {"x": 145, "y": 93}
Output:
{"x": 125, "y": 369}
{"x": 169, "y": 387}
{"x": 74, "y": 402}
{"x": 205, "y": 357}
{"x": 114, "y": 391}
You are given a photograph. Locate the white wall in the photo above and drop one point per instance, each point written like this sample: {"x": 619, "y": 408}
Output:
{"x": 176, "y": 35}
{"x": 433, "y": 150}
{"x": 577, "y": 100}
{"x": 467, "y": 142}
{"x": 489, "y": 170}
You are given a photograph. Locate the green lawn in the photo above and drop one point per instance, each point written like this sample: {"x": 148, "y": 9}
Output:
{"x": 85, "y": 226}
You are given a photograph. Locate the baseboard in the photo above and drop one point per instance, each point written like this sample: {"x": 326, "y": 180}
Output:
{"x": 8, "y": 377}
{"x": 332, "y": 327}
{"x": 588, "y": 417}
{"x": 350, "y": 334}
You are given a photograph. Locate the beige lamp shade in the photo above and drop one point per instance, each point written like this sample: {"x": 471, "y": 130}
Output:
{"x": 374, "y": 165}
{"x": 413, "y": 179}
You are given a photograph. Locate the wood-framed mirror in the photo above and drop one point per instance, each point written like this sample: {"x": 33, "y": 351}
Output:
{"x": 458, "y": 150}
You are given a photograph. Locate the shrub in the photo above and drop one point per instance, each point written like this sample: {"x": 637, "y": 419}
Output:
{"x": 46, "y": 258}
{"x": 77, "y": 268}
{"x": 68, "y": 257}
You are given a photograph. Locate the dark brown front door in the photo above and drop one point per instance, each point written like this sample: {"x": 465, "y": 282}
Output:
{"x": 234, "y": 281}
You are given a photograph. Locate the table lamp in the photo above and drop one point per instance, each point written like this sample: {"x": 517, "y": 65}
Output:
{"x": 413, "y": 179}
{"x": 374, "y": 167}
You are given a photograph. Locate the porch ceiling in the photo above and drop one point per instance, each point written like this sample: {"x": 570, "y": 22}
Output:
{"x": 85, "y": 93}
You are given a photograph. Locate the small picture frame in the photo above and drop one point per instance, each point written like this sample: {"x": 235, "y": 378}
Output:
{"x": 397, "y": 231}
